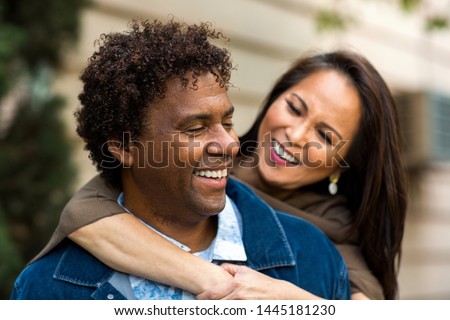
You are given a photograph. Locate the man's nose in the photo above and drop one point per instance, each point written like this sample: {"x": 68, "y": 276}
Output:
{"x": 223, "y": 143}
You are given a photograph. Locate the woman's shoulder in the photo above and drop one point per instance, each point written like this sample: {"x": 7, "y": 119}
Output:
{"x": 329, "y": 213}
{"x": 95, "y": 200}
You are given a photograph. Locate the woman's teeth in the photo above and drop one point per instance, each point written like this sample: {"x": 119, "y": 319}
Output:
{"x": 211, "y": 173}
{"x": 283, "y": 154}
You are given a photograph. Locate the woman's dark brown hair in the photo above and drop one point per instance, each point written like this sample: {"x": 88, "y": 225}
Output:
{"x": 375, "y": 184}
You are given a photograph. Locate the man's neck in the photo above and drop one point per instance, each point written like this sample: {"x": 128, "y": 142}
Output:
{"x": 197, "y": 235}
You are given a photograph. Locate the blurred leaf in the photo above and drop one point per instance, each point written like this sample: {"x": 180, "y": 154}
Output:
{"x": 330, "y": 20}
{"x": 333, "y": 20}
{"x": 410, "y": 5}
{"x": 436, "y": 23}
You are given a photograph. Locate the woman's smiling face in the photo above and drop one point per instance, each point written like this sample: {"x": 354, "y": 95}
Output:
{"x": 306, "y": 133}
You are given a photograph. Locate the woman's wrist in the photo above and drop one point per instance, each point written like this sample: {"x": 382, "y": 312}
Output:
{"x": 209, "y": 275}
{"x": 289, "y": 291}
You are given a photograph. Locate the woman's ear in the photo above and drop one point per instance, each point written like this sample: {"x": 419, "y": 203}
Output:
{"x": 121, "y": 152}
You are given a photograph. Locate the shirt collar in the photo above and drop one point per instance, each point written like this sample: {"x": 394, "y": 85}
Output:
{"x": 226, "y": 246}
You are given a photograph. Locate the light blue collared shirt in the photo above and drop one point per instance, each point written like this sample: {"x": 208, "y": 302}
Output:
{"x": 226, "y": 246}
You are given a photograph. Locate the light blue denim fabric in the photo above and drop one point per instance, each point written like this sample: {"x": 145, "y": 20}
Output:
{"x": 277, "y": 244}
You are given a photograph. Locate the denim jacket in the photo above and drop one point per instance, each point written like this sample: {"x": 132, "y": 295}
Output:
{"x": 277, "y": 244}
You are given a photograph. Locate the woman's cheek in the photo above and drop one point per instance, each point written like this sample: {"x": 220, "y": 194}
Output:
{"x": 314, "y": 157}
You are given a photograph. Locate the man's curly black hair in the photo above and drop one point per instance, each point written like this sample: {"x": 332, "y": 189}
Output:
{"x": 130, "y": 70}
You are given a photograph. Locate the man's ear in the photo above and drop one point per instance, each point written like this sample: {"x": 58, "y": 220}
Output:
{"x": 121, "y": 152}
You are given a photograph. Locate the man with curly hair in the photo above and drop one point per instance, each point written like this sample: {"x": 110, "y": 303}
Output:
{"x": 157, "y": 121}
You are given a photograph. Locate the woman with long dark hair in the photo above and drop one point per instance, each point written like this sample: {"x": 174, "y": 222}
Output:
{"x": 374, "y": 183}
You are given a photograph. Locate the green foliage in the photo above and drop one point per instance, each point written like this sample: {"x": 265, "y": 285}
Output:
{"x": 36, "y": 171}
{"x": 35, "y": 178}
{"x": 409, "y": 5}
{"x": 327, "y": 20}
{"x": 333, "y": 19}
{"x": 47, "y": 25}
{"x": 11, "y": 40}
{"x": 436, "y": 23}
{"x": 11, "y": 261}
{"x": 433, "y": 22}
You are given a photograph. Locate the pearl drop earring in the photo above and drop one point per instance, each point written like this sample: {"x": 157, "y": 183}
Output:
{"x": 333, "y": 187}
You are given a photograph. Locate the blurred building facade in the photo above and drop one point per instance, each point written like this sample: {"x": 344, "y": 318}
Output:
{"x": 267, "y": 35}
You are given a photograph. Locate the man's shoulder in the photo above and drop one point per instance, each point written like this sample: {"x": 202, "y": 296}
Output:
{"x": 304, "y": 235}
{"x": 316, "y": 258}
{"x": 35, "y": 279}
{"x": 300, "y": 225}
{"x": 48, "y": 263}
{"x": 57, "y": 274}
{"x": 288, "y": 247}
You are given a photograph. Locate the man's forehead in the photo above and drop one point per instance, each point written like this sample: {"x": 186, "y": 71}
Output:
{"x": 204, "y": 87}
{"x": 206, "y": 113}
{"x": 200, "y": 97}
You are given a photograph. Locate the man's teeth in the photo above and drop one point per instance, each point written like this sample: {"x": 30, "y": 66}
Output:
{"x": 211, "y": 173}
{"x": 283, "y": 154}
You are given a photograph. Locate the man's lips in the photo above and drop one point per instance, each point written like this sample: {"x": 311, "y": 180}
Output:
{"x": 213, "y": 180}
{"x": 212, "y": 173}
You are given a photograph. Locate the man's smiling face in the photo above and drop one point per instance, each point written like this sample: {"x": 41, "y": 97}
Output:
{"x": 181, "y": 163}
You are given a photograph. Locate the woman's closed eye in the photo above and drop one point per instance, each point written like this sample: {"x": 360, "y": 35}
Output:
{"x": 294, "y": 108}
{"x": 326, "y": 136}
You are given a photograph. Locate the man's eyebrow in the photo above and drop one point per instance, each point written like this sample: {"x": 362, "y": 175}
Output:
{"x": 205, "y": 116}
{"x": 229, "y": 112}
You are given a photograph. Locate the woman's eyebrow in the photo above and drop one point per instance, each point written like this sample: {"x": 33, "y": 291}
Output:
{"x": 303, "y": 103}
{"x": 306, "y": 108}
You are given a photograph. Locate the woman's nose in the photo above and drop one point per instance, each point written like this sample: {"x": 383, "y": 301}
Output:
{"x": 297, "y": 134}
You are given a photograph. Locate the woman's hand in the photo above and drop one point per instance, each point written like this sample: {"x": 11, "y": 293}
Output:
{"x": 248, "y": 284}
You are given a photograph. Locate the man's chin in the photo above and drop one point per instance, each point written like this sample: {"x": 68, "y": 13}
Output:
{"x": 214, "y": 206}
